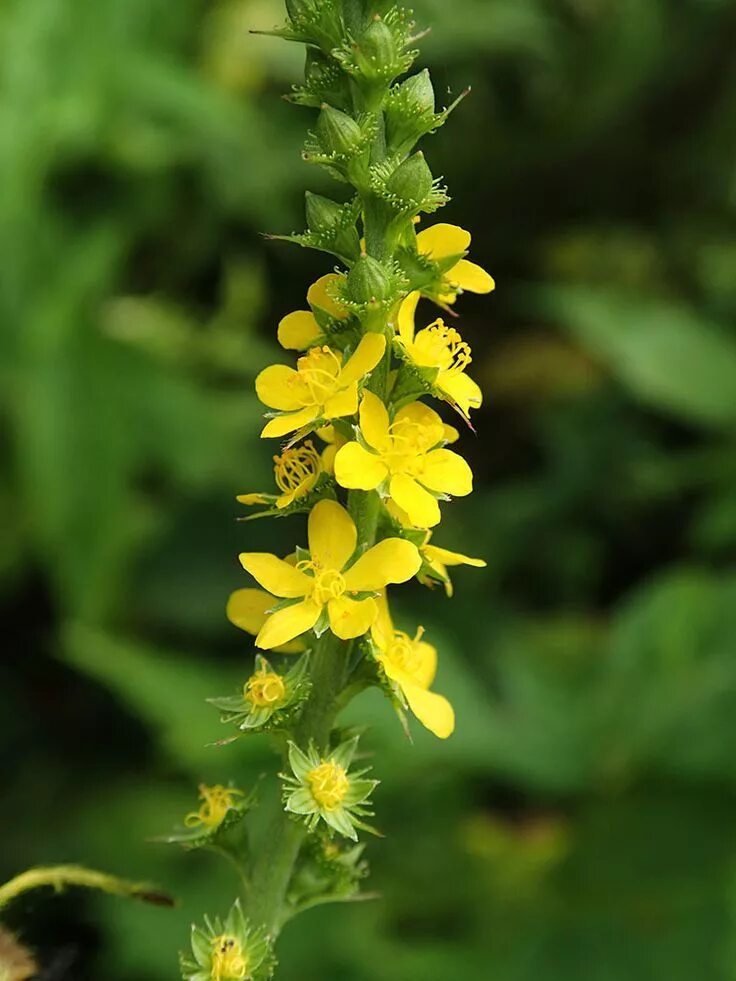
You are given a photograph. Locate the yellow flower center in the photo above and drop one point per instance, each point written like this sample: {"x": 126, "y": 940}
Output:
{"x": 329, "y": 783}
{"x": 406, "y": 447}
{"x": 328, "y": 583}
{"x": 297, "y": 468}
{"x": 264, "y": 689}
{"x": 440, "y": 346}
{"x": 229, "y": 963}
{"x": 217, "y": 801}
{"x": 319, "y": 371}
{"x": 404, "y": 652}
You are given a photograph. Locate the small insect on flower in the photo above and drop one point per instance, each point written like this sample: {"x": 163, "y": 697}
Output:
{"x": 410, "y": 665}
{"x": 404, "y": 459}
{"x": 328, "y": 588}
{"x": 228, "y": 951}
{"x": 321, "y": 387}
{"x": 323, "y": 788}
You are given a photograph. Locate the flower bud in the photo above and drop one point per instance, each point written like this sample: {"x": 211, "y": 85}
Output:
{"x": 412, "y": 181}
{"x": 377, "y": 49}
{"x": 368, "y": 281}
{"x": 417, "y": 93}
{"x": 337, "y": 132}
{"x": 322, "y": 213}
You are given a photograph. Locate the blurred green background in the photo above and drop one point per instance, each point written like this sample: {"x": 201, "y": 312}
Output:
{"x": 580, "y": 824}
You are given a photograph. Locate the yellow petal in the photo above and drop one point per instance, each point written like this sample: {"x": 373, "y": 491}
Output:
{"x": 358, "y": 469}
{"x": 275, "y": 575}
{"x": 407, "y": 311}
{"x": 344, "y": 403}
{"x": 248, "y": 609}
{"x": 318, "y": 296}
{"x": 461, "y": 390}
{"x": 351, "y": 618}
{"x": 374, "y": 420}
{"x": 426, "y": 667}
{"x": 447, "y": 473}
{"x": 393, "y": 560}
{"x": 450, "y": 435}
{"x": 298, "y": 330}
{"x": 434, "y": 553}
{"x": 422, "y": 509}
{"x": 289, "y": 423}
{"x": 433, "y": 710}
{"x": 420, "y": 415}
{"x": 328, "y": 459}
{"x": 383, "y": 629}
{"x": 468, "y": 276}
{"x": 364, "y": 359}
{"x": 442, "y": 240}
{"x": 278, "y": 387}
{"x": 250, "y": 499}
{"x": 332, "y": 535}
{"x": 284, "y": 625}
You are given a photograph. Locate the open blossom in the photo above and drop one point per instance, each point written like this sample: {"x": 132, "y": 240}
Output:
{"x": 327, "y": 581}
{"x": 319, "y": 389}
{"x": 443, "y": 243}
{"x": 404, "y": 459}
{"x": 410, "y": 663}
{"x": 441, "y": 349}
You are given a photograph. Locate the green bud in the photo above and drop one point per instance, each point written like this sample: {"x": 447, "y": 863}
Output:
{"x": 297, "y": 8}
{"x": 322, "y": 213}
{"x": 377, "y": 48}
{"x": 412, "y": 181}
{"x": 368, "y": 281}
{"x": 417, "y": 93}
{"x": 337, "y": 132}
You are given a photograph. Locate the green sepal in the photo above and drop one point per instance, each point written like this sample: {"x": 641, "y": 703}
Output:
{"x": 342, "y": 144}
{"x": 410, "y": 112}
{"x": 324, "y": 82}
{"x": 312, "y": 22}
{"x": 327, "y": 872}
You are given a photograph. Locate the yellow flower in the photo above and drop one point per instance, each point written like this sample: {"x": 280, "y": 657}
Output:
{"x": 299, "y": 330}
{"x": 321, "y": 387}
{"x": 441, "y": 348}
{"x": 249, "y": 610}
{"x": 405, "y": 459}
{"x": 443, "y": 242}
{"x": 296, "y": 471}
{"x": 411, "y": 663}
{"x": 325, "y": 581}
{"x": 217, "y": 801}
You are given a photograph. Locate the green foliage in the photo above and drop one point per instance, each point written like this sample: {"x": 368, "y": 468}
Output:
{"x": 579, "y": 824}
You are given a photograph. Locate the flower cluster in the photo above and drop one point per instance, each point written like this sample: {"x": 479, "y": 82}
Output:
{"x": 362, "y": 451}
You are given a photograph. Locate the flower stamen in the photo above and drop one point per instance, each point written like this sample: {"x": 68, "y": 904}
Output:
{"x": 329, "y": 784}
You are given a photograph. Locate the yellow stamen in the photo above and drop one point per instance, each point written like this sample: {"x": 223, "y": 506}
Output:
{"x": 328, "y": 583}
{"x": 404, "y": 652}
{"x": 218, "y": 800}
{"x": 319, "y": 370}
{"x": 264, "y": 689}
{"x": 229, "y": 963}
{"x": 297, "y": 467}
{"x": 329, "y": 784}
{"x": 440, "y": 346}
